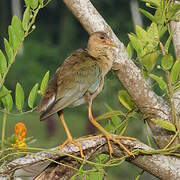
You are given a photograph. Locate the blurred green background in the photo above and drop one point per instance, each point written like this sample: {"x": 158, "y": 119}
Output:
{"x": 57, "y": 34}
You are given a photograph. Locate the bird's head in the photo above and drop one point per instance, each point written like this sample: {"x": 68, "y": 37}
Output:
{"x": 99, "y": 44}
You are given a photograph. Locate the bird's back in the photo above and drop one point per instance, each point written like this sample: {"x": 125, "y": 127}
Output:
{"x": 78, "y": 74}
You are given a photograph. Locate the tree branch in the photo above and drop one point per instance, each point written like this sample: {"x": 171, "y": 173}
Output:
{"x": 159, "y": 165}
{"x": 175, "y": 29}
{"x": 149, "y": 103}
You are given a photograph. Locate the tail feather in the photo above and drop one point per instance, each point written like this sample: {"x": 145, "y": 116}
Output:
{"x": 57, "y": 106}
{"x": 45, "y": 105}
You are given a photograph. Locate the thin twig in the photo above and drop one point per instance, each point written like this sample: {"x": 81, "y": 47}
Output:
{"x": 172, "y": 140}
{"x": 170, "y": 88}
{"x": 3, "y": 130}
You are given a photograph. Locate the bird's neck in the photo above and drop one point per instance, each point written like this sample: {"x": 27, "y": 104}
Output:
{"x": 104, "y": 60}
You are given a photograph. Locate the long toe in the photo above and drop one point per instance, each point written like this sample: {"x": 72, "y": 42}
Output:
{"x": 61, "y": 146}
{"x": 71, "y": 141}
{"x": 79, "y": 146}
{"x": 115, "y": 140}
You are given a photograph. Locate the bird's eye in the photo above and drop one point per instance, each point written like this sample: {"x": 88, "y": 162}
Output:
{"x": 101, "y": 37}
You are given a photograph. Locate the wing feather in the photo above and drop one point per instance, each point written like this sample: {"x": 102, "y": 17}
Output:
{"x": 72, "y": 80}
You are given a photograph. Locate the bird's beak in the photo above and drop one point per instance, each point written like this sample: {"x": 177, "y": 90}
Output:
{"x": 110, "y": 43}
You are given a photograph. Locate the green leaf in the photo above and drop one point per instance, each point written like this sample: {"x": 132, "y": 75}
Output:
{"x": 173, "y": 10}
{"x": 126, "y": 100}
{"x": 109, "y": 128}
{"x": 41, "y": 2}
{"x": 142, "y": 35}
{"x": 4, "y": 92}
{"x": 13, "y": 39}
{"x": 33, "y": 3}
{"x": 121, "y": 128}
{"x": 3, "y": 63}
{"x": 167, "y": 61}
{"x": 17, "y": 26}
{"x": 130, "y": 50}
{"x": 102, "y": 158}
{"x": 115, "y": 118}
{"x": 110, "y": 115}
{"x": 8, "y": 50}
{"x": 7, "y": 100}
{"x": 136, "y": 43}
{"x": 147, "y": 14}
{"x": 27, "y": 3}
{"x": 177, "y": 87}
{"x": 162, "y": 84}
{"x": 160, "y": 16}
{"x": 164, "y": 124}
{"x": 166, "y": 47}
{"x": 26, "y": 18}
{"x": 19, "y": 97}
{"x": 175, "y": 71}
{"x": 96, "y": 175}
{"x": 44, "y": 83}
{"x": 33, "y": 95}
{"x": 149, "y": 60}
{"x": 153, "y": 37}
{"x": 162, "y": 29}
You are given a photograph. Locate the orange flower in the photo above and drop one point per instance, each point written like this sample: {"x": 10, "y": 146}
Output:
{"x": 20, "y": 130}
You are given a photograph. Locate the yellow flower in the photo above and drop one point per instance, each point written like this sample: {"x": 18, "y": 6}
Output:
{"x": 20, "y": 145}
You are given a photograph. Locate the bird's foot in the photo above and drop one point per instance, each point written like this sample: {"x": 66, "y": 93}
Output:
{"x": 71, "y": 141}
{"x": 116, "y": 139}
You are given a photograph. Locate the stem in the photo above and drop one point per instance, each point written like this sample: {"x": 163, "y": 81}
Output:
{"x": 173, "y": 114}
{"x": 3, "y": 130}
{"x": 170, "y": 88}
{"x": 172, "y": 140}
{"x": 147, "y": 134}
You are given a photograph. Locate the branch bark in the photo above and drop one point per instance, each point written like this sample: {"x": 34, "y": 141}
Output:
{"x": 136, "y": 15}
{"x": 149, "y": 103}
{"x": 159, "y": 165}
{"x": 175, "y": 29}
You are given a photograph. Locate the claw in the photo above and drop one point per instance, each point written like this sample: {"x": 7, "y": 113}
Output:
{"x": 110, "y": 138}
{"x": 71, "y": 141}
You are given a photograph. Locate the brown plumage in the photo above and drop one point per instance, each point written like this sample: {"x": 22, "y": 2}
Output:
{"x": 79, "y": 80}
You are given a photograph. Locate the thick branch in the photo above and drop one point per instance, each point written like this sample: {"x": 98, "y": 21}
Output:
{"x": 161, "y": 166}
{"x": 175, "y": 28}
{"x": 136, "y": 16}
{"x": 128, "y": 73}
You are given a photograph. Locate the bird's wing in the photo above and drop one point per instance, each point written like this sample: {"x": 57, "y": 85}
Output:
{"x": 78, "y": 74}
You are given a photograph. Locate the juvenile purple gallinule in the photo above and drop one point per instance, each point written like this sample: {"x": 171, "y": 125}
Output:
{"x": 79, "y": 80}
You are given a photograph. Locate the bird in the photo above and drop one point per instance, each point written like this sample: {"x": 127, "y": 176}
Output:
{"x": 78, "y": 81}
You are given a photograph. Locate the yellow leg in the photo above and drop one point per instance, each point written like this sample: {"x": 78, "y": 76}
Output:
{"x": 69, "y": 137}
{"x": 106, "y": 134}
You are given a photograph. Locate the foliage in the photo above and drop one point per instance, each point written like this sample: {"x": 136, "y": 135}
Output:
{"x": 18, "y": 31}
{"x": 149, "y": 47}
{"x": 146, "y": 46}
